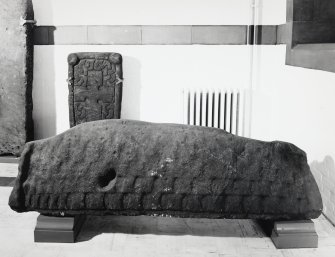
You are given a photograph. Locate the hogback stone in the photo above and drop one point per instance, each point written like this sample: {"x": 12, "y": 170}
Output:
{"x": 95, "y": 86}
{"x": 16, "y": 75}
{"x": 134, "y": 168}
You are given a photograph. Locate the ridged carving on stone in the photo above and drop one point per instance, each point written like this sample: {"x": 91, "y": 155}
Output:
{"x": 132, "y": 168}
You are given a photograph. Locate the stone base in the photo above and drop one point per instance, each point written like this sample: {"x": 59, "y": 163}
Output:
{"x": 9, "y": 166}
{"x": 9, "y": 159}
{"x": 294, "y": 234}
{"x": 58, "y": 229}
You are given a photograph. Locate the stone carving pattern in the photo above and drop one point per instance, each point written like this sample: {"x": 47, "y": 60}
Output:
{"x": 94, "y": 75}
{"x": 178, "y": 170}
{"x": 93, "y": 86}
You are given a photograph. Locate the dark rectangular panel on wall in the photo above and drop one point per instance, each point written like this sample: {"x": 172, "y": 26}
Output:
{"x": 302, "y": 10}
{"x": 312, "y": 21}
{"x": 325, "y": 10}
{"x": 313, "y": 33}
{"x": 310, "y": 34}
{"x": 16, "y": 74}
{"x": 95, "y": 86}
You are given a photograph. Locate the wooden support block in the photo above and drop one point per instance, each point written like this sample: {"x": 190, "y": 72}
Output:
{"x": 294, "y": 234}
{"x": 57, "y": 229}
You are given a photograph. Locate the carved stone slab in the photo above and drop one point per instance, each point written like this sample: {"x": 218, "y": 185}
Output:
{"x": 16, "y": 75}
{"x": 95, "y": 86}
{"x": 135, "y": 168}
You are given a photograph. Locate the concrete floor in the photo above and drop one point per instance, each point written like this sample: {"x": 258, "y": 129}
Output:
{"x": 152, "y": 236}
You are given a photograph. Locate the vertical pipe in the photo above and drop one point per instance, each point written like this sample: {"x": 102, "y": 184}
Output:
{"x": 228, "y": 112}
{"x": 195, "y": 109}
{"x": 213, "y": 108}
{"x": 225, "y": 112}
{"x": 219, "y": 109}
{"x": 253, "y": 34}
{"x": 210, "y": 107}
{"x": 188, "y": 107}
{"x": 231, "y": 112}
{"x": 203, "y": 109}
{"x": 207, "y": 99}
{"x": 200, "y": 115}
{"x": 237, "y": 112}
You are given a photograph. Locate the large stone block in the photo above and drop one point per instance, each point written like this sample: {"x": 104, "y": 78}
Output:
{"x": 16, "y": 75}
{"x": 167, "y": 172}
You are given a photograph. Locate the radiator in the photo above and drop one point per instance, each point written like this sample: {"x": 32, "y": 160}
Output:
{"x": 222, "y": 109}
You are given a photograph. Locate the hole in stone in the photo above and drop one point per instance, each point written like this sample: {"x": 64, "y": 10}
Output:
{"x": 106, "y": 178}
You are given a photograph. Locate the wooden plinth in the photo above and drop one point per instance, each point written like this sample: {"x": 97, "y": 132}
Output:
{"x": 57, "y": 229}
{"x": 294, "y": 234}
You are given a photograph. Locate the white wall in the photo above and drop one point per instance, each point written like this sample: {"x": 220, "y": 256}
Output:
{"x": 294, "y": 104}
{"x": 142, "y": 12}
{"x": 297, "y": 105}
{"x": 271, "y": 12}
{"x": 157, "y": 12}
{"x": 154, "y": 77}
{"x": 288, "y": 103}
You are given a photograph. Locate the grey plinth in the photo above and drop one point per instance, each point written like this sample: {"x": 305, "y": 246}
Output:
{"x": 294, "y": 234}
{"x": 58, "y": 229}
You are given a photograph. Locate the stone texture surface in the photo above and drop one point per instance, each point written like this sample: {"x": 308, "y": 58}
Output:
{"x": 134, "y": 168}
{"x": 95, "y": 86}
{"x": 16, "y": 74}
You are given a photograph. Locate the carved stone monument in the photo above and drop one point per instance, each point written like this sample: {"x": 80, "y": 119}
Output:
{"x": 16, "y": 75}
{"x": 128, "y": 167}
{"x": 95, "y": 86}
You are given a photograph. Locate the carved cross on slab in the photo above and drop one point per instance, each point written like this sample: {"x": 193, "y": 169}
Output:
{"x": 95, "y": 86}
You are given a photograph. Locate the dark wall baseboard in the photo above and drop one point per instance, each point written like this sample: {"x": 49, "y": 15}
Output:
{"x": 157, "y": 35}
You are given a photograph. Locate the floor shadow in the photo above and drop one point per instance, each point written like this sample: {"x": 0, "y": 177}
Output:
{"x": 140, "y": 225}
{"x": 266, "y": 226}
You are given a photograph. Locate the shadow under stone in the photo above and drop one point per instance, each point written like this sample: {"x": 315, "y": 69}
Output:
{"x": 157, "y": 225}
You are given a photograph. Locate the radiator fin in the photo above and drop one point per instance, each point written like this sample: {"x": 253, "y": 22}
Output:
{"x": 215, "y": 108}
